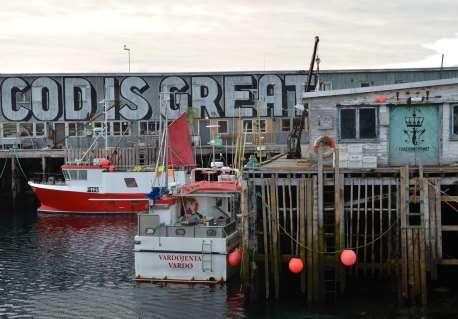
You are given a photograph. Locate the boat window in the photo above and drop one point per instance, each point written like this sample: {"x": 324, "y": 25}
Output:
{"x": 77, "y": 174}
{"x": 180, "y": 232}
{"x": 211, "y": 232}
{"x": 82, "y": 174}
{"x": 66, "y": 175}
{"x": 130, "y": 182}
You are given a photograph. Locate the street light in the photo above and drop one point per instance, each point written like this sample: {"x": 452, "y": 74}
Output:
{"x": 128, "y": 52}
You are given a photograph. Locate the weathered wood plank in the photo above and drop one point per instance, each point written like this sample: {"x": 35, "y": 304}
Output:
{"x": 310, "y": 234}
{"x": 404, "y": 238}
{"x": 437, "y": 189}
{"x": 266, "y": 240}
{"x": 274, "y": 223}
{"x": 433, "y": 229}
{"x": 302, "y": 225}
{"x": 424, "y": 291}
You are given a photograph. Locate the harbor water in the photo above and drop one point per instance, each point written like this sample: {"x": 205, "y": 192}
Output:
{"x": 56, "y": 266}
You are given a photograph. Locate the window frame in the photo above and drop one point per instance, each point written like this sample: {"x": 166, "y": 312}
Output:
{"x": 453, "y": 136}
{"x": 357, "y": 109}
{"x": 218, "y": 127}
{"x": 282, "y": 127}
{"x": 243, "y": 126}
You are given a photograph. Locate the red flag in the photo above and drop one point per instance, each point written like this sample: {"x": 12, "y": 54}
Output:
{"x": 179, "y": 143}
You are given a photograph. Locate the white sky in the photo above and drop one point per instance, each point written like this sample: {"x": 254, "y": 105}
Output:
{"x": 230, "y": 35}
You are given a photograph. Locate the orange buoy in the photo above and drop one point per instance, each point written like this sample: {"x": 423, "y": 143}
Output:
{"x": 105, "y": 163}
{"x": 348, "y": 257}
{"x": 234, "y": 258}
{"x": 295, "y": 265}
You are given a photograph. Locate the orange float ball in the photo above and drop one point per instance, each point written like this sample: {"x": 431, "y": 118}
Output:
{"x": 234, "y": 258}
{"x": 348, "y": 257}
{"x": 105, "y": 163}
{"x": 295, "y": 265}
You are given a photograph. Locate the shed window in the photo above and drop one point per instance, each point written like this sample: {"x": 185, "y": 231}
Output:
{"x": 40, "y": 129}
{"x": 286, "y": 125}
{"x": 455, "y": 120}
{"x": 222, "y": 127}
{"x": 247, "y": 126}
{"x": 367, "y": 123}
{"x": 358, "y": 123}
{"x": 9, "y": 130}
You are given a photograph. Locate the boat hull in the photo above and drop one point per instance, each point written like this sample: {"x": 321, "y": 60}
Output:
{"x": 72, "y": 202}
{"x": 181, "y": 259}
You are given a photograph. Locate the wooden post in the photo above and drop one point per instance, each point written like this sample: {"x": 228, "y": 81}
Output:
{"x": 340, "y": 222}
{"x": 302, "y": 238}
{"x": 275, "y": 248}
{"x": 310, "y": 240}
{"x": 433, "y": 227}
{"x": 403, "y": 210}
{"x": 438, "y": 219}
{"x": 43, "y": 165}
{"x": 245, "y": 271}
{"x": 265, "y": 230}
{"x": 315, "y": 243}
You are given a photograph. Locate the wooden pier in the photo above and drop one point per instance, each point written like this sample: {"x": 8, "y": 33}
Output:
{"x": 391, "y": 217}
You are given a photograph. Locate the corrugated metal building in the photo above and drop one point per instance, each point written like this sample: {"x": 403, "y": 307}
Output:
{"x": 67, "y": 110}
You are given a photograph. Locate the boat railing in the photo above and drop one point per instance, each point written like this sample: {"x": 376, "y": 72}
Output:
{"x": 150, "y": 227}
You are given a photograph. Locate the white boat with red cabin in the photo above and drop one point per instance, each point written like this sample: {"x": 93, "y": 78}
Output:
{"x": 187, "y": 236}
{"x": 98, "y": 187}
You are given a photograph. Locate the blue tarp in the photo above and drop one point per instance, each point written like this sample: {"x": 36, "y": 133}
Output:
{"x": 157, "y": 192}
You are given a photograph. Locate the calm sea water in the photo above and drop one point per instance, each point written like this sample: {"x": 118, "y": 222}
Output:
{"x": 82, "y": 267}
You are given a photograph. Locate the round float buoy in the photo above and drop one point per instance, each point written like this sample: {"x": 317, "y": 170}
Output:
{"x": 348, "y": 257}
{"x": 234, "y": 258}
{"x": 295, "y": 265}
{"x": 105, "y": 163}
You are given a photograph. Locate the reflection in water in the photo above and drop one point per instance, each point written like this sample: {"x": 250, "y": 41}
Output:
{"x": 82, "y": 267}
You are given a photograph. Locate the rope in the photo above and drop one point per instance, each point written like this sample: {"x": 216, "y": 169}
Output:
{"x": 444, "y": 193}
{"x": 20, "y": 166}
{"x": 3, "y": 169}
{"x": 337, "y": 251}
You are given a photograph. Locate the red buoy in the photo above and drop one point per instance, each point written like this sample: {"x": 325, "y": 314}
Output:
{"x": 295, "y": 265}
{"x": 348, "y": 257}
{"x": 105, "y": 164}
{"x": 234, "y": 258}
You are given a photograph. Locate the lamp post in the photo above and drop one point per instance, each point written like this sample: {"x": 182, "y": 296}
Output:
{"x": 128, "y": 53}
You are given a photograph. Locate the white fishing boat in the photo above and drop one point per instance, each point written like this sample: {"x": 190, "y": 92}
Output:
{"x": 188, "y": 235}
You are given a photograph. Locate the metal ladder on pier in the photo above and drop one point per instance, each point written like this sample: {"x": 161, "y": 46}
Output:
{"x": 207, "y": 257}
{"x": 329, "y": 245}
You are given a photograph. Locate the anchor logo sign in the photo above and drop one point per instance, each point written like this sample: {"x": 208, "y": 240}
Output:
{"x": 414, "y": 129}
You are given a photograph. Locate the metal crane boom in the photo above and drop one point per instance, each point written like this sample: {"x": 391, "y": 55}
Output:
{"x": 294, "y": 138}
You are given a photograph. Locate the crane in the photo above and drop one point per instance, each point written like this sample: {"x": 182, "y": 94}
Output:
{"x": 294, "y": 138}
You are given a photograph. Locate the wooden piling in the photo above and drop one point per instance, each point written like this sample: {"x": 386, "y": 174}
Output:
{"x": 265, "y": 231}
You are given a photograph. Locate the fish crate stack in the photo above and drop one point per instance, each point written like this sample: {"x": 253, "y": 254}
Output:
{"x": 352, "y": 156}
